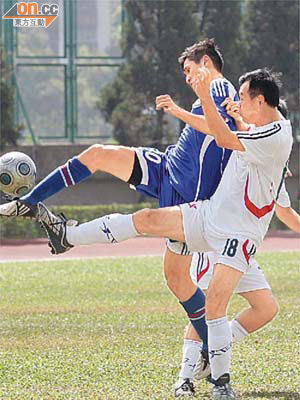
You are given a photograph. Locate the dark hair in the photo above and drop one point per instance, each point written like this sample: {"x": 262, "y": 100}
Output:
{"x": 283, "y": 108}
{"x": 198, "y": 50}
{"x": 265, "y": 82}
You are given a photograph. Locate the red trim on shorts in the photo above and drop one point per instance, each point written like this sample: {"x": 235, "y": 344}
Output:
{"x": 199, "y": 276}
{"x": 245, "y": 251}
{"x": 258, "y": 212}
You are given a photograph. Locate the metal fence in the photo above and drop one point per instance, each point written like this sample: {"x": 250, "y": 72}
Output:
{"x": 59, "y": 71}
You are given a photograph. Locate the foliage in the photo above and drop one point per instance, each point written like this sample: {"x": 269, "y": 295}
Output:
{"x": 272, "y": 40}
{"x": 109, "y": 329}
{"x": 250, "y": 34}
{"x": 155, "y": 34}
{"x": 227, "y": 33}
{"x": 9, "y": 133}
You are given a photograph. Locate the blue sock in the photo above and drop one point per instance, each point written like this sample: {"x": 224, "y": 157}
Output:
{"x": 195, "y": 309}
{"x": 66, "y": 175}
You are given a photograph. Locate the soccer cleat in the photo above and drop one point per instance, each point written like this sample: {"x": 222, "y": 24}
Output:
{"x": 184, "y": 388}
{"x": 202, "y": 369}
{"x": 18, "y": 208}
{"x": 55, "y": 227}
{"x": 222, "y": 389}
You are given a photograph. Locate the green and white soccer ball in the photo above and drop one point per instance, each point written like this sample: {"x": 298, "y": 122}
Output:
{"x": 17, "y": 173}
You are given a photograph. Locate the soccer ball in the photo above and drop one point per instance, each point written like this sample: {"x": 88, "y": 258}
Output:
{"x": 17, "y": 173}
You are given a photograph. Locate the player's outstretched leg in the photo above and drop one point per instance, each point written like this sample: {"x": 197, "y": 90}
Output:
{"x": 114, "y": 228}
{"x": 63, "y": 235}
{"x": 116, "y": 160}
{"x": 18, "y": 208}
{"x": 55, "y": 227}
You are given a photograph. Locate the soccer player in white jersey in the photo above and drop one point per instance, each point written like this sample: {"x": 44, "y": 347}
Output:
{"x": 242, "y": 206}
{"x": 232, "y": 223}
{"x": 253, "y": 287}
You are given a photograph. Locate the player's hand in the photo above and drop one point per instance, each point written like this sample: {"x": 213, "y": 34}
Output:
{"x": 232, "y": 108}
{"x": 201, "y": 83}
{"x": 166, "y": 103}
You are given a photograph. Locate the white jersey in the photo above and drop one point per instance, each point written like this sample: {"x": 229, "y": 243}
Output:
{"x": 244, "y": 202}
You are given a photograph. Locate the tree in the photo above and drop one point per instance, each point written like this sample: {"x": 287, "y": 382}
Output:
{"x": 222, "y": 20}
{"x": 272, "y": 40}
{"x": 155, "y": 33}
{"x": 9, "y": 133}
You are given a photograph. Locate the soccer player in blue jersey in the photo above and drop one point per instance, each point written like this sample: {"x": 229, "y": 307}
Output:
{"x": 188, "y": 171}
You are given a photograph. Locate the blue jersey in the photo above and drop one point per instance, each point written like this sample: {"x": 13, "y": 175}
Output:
{"x": 196, "y": 163}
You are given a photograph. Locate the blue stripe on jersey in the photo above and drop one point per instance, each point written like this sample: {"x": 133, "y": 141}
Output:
{"x": 183, "y": 160}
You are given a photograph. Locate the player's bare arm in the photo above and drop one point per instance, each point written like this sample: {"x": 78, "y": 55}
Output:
{"x": 222, "y": 134}
{"x": 197, "y": 122}
{"x": 289, "y": 217}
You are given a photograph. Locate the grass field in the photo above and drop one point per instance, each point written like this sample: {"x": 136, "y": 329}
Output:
{"x": 110, "y": 329}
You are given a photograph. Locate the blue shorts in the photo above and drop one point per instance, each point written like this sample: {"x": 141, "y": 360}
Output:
{"x": 155, "y": 177}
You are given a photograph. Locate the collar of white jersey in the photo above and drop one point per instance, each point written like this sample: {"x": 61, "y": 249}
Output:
{"x": 286, "y": 122}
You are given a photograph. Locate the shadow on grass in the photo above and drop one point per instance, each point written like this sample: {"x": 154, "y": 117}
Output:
{"x": 272, "y": 395}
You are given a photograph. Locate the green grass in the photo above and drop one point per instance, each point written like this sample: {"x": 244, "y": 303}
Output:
{"x": 110, "y": 329}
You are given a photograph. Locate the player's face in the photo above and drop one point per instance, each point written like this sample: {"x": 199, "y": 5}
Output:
{"x": 190, "y": 69}
{"x": 248, "y": 105}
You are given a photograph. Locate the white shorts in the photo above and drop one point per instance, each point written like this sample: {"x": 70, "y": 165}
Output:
{"x": 235, "y": 251}
{"x": 202, "y": 266}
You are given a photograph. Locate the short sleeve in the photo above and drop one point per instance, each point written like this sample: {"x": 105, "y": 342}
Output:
{"x": 220, "y": 90}
{"x": 259, "y": 144}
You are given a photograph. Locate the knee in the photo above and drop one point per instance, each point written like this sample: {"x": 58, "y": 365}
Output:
{"x": 92, "y": 156}
{"x": 96, "y": 152}
{"x": 95, "y": 149}
{"x": 271, "y": 310}
{"x": 100, "y": 156}
{"x": 145, "y": 220}
{"x": 174, "y": 282}
{"x": 265, "y": 311}
{"x": 180, "y": 284}
{"x": 215, "y": 306}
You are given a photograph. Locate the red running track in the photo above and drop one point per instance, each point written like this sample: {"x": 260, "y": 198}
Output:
{"x": 37, "y": 249}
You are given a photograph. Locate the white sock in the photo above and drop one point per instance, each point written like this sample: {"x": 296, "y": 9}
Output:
{"x": 111, "y": 228}
{"x": 238, "y": 332}
{"x": 219, "y": 344}
{"x": 190, "y": 354}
